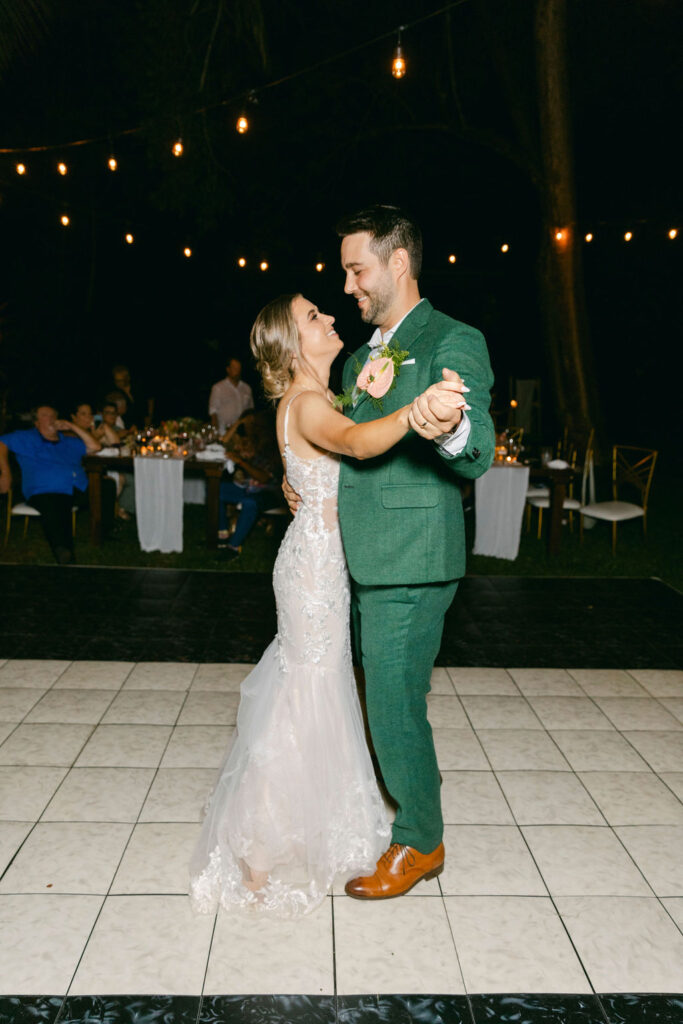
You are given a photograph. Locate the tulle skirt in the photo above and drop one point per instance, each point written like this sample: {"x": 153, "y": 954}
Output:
{"x": 296, "y": 803}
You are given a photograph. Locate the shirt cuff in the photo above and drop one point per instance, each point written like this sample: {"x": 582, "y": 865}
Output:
{"x": 454, "y": 444}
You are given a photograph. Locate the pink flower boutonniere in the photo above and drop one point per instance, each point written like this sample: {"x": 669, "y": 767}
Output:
{"x": 377, "y": 378}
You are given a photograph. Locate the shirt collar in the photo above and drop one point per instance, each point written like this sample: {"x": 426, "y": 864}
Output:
{"x": 378, "y": 339}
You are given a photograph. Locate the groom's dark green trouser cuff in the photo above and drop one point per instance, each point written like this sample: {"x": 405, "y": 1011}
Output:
{"x": 400, "y": 636}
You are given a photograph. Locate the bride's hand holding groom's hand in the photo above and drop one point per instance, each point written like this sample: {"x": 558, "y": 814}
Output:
{"x": 439, "y": 409}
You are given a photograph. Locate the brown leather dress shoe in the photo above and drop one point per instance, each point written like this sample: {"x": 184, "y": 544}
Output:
{"x": 398, "y": 870}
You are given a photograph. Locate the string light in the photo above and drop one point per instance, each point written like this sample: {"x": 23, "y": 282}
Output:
{"x": 242, "y": 124}
{"x": 112, "y": 163}
{"x": 65, "y": 220}
{"x": 673, "y": 233}
{"x": 452, "y": 258}
{"x": 187, "y": 251}
{"x": 559, "y": 236}
{"x": 264, "y": 265}
{"x": 513, "y": 403}
{"x": 505, "y": 247}
{"x": 177, "y": 147}
{"x": 241, "y": 262}
{"x": 62, "y": 168}
{"x": 628, "y": 236}
{"x": 129, "y": 238}
{"x": 398, "y": 64}
{"x": 588, "y": 237}
{"x": 320, "y": 267}
{"x": 21, "y": 169}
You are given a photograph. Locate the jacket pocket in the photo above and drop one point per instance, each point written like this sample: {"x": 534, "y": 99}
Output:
{"x": 409, "y": 496}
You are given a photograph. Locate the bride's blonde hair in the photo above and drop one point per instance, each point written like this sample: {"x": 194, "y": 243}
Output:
{"x": 274, "y": 341}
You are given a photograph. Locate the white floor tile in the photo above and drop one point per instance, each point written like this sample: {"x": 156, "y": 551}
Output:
{"x": 674, "y": 705}
{"x": 483, "y": 681}
{"x": 626, "y": 945}
{"x": 581, "y": 860}
{"x": 95, "y": 675}
{"x": 71, "y": 706}
{"x": 15, "y": 702}
{"x": 549, "y": 798}
{"x": 67, "y": 857}
{"x": 658, "y": 852}
{"x": 179, "y": 794}
{"x": 394, "y": 946}
{"x": 633, "y": 798}
{"x": 145, "y": 707}
{"x": 221, "y": 677}
{"x": 43, "y": 744}
{"x": 145, "y": 944}
{"x": 513, "y": 944}
{"x": 674, "y": 780}
{"x": 5, "y": 729}
{"x": 675, "y": 908}
{"x": 638, "y": 713}
{"x": 446, "y": 712}
{"x": 660, "y": 682}
{"x": 545, "y": 682}
{"x": 569, "y": 713}
{"x": 157, "y": 859}
{"x": 514, "y": 749}
{"x": 161, "y": 675}
{"x": 500, "y": 713}
{"x": 197, "y": 746}
{"x": 25, "y": 792}
{"x": 488, "y": 860}
{"x": 595, "y": 750}
{"x": 608, "y": 682}
{"x": 125, "y": 746}
{"x": 663, "y": 751}
{"x": 41, "y": 938}
{"x": 32, "y": 673}
{"x": 458, "y": 749}
{"x": 12, "y": 835}
{"x": 441, "y": 682}
{"x": 251, "y": 953}
{"x": 473, "y": 798}
{"x": 202, "y": 708}
{"x": 100, "y": 794}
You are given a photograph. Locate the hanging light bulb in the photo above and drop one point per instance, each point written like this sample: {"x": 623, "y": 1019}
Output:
{"x": 20, "y": 169}
{"x": 398, "y": 64}
{"x": 242, "y": 124}
{"x": 177, "y": 149}
{"x": 264, "y": 264}
{"x": 129, "y": 238}
{"x": 241, "y": 262}
{"x": 559, "y": 236}
{"x": 62, "y": 168}
{"x": 112, "y": 163}
{"x": 65, "y": 220}
{"x": 673, "y": 232}
{"x": 187, "y": 251}
{"x": 628, "y": 236}
{"x": 588, "y": 237}
{"x": 320, "y": 267}
{"x": 452, "y": 258}
{"x": 505, "y": 247}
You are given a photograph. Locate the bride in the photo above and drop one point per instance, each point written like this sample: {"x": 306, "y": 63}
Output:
{"x": 296, "y": 803}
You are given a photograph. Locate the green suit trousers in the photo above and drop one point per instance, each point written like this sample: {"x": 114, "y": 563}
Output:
{"x": 398, "y": 632}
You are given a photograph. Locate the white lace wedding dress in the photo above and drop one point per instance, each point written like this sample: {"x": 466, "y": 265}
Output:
{"x": 296, "y": 803}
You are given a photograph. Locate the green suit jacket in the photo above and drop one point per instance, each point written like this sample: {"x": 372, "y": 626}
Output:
{"x": 401, "y": 513}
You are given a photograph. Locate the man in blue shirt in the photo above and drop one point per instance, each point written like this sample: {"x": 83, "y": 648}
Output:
{"x": 52, "y": 476}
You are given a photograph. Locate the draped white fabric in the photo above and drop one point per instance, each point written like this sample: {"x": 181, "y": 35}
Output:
{"x": 159, "y": 503}
{"x": 194, "y": 490}
{"x": 500, "y": 496}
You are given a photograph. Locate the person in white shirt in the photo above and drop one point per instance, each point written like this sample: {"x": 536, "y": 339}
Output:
{"x": 230, "y": 397}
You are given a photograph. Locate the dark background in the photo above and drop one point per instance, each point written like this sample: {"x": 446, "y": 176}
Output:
{"x": 444, "y": 142}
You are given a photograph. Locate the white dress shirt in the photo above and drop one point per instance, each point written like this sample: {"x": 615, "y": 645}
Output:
{"x": 228, "y": 401}
{"x": 453, "y": 443}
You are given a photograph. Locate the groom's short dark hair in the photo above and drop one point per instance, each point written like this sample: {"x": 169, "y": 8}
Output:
{"x": 390, "y": 228}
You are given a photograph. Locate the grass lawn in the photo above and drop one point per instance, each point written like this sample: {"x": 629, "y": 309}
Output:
{"x": 659, "y": 555}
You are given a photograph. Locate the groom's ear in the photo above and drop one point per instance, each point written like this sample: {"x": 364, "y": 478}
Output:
{"x": 399, "y": 261}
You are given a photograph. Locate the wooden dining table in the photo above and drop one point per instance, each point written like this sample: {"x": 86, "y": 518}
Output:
{"x": 97, "y": 465}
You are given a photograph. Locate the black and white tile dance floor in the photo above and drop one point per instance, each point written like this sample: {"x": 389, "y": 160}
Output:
{"x": 561, "y": 899}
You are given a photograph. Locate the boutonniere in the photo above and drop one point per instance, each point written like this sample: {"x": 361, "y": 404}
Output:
{"x": 377, "y": 377}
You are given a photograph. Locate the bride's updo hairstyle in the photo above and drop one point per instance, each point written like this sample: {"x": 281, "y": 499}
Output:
{"x": 274, "y": 342}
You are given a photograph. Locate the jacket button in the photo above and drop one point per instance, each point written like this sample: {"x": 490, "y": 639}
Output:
{"x": 475, "y": 453}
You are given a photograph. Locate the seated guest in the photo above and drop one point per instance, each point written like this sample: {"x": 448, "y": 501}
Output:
{"x": 230, "y": 397}
{"x": 107, "y": 432}
{"x": 119, "y": 400}
{"x": 53, "y": 478}
{"x": 82, "y": 415}
{"x": 254, "y": 485}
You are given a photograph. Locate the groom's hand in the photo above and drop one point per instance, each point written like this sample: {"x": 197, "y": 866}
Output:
{"x": 439, "y": 409}
{"x": 291, "y": 497}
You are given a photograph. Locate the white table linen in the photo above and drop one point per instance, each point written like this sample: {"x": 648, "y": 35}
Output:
{"x": 159, "y": 503}
{"x": 499, "y": 497}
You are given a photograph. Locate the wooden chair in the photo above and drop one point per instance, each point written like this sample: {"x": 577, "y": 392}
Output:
{"x": 631, "y": 467}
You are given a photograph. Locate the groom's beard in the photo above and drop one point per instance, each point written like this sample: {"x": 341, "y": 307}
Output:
{"x": 377, "y": 306}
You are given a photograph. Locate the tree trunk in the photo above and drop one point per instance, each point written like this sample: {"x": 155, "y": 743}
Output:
{"x": 560, "y": 273}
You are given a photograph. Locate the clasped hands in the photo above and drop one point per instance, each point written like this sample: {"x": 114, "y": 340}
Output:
{"x": 439, "y": 409}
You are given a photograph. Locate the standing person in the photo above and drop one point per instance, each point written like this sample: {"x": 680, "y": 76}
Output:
{"x": 52, "y": 477}
{"x": 402, "y": 524}
{"x": 296, "y": 802}
{"x": 230, "y": 397}
{"x": 139, "y": 412}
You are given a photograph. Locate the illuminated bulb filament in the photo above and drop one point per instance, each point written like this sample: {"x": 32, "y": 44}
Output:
{"x": 559, "y": 236}
{"x": 112, "y": 163}
{"x": 129, "y": 238}
{"x": 628, "y": 236}
{"x": 452, "y": 258}
{"x": 241, "y": 262}
{"x": 187, "y": 251}
{"x": 242, "y": 124}
{"x": 320, "y": 267}
{"x": 398, "y": 64}
{"x": 505, "y": 247}
{"x": 62, "y": 168}
{"x": 589, "y": 237}
{"x": 65, "y": 220}
{"x": 178, "y": 148}
{"x": 513, "y": 403}
{"x": 21, "y": 169}
{"x": 673, "y": 233}
{"x": 264, "y": 265}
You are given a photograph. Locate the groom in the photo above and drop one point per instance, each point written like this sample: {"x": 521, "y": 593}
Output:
{"x": 402, "y": 525}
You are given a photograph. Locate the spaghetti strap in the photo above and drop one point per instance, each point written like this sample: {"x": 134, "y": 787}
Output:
{"x": 286, "y": 423}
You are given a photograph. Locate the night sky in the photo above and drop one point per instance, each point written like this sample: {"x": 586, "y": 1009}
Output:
{"x": 455, "y": 142}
